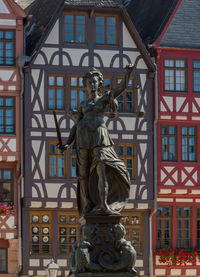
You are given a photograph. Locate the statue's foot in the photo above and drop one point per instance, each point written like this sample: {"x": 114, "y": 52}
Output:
{"x": 115, "y": 213}
{"x": 106, "y": 210}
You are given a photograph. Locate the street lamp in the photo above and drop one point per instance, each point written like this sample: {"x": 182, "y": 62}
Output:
{"x": 52, "y": 269}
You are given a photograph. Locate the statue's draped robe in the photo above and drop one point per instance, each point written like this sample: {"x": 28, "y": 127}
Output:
{"x": 92, "y": 134}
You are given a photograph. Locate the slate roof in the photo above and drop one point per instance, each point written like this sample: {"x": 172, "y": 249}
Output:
{"x": 41, "y": 15}
{"x": 150, "y": 17}
{"x": 95, "y": 3}
{"x": 184, "y": 29}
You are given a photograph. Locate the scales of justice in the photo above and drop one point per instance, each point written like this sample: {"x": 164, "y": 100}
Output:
{"x": 103, "y": 184}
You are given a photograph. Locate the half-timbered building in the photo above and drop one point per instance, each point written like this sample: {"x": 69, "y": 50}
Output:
{"x": 173, "y": 38}
{"x": 11, "y": 47}
{"x": 64, "y": 39}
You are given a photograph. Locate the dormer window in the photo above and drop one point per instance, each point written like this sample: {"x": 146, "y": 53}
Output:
{"x": 75, "y": 28}
{"x": 106, "y": 29}
{"x": 7, "y": 47}
{"x": 175, "y": 75}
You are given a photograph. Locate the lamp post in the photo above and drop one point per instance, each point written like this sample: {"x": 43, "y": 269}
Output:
{"x": 52, "y": 269}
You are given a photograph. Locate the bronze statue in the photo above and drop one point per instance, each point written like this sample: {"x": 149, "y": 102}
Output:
{"x": 103, "y": 180}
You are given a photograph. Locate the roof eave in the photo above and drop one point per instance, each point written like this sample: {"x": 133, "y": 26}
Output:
{"x": 16, "y": 9}
{"x": 138, "y": 40}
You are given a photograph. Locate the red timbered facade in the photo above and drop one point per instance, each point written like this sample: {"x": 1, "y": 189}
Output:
{"x": 11, "y": 47}
{"x": 176, "y": 224}
{"x": 172, "y": 35}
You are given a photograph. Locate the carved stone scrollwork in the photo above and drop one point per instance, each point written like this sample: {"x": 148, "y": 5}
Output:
{"x": 102, "y": 248}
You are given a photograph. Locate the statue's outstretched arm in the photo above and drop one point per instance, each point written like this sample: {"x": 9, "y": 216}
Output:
{"x": 76, "y": 116}
{"x": 70, "y": 139}
{"x": 124, "y": 82}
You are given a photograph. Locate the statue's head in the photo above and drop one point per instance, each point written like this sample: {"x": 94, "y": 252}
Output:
{"x": 93, "y": 72}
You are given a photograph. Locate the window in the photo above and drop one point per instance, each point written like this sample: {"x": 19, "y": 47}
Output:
{"x": 56, "y": 91}
{"x": 185, "y": 220}
{"x": 174, "y": 75}
{"x": 183, "y": 228}
{"x": 106, "y": 30}
{"x": 198, "y": 228}
{"x": 3, "y": 260}
{"x": 168, "y": 143}
{"x": 7, "y": 115}
{"x": 77, "y": 91}
{"x": 107, "y": 86}
{"x": 126, "y": 99}
{"x": 126, "y": 152}
{"x": 6, "y": 185}
{"x": 164, "y": 225}
{"x": 7, "y": 47}
{"x": 67, "y": 231}
{"x": 107, "y": 83}
{"x": 75, "y": 28}
{"x": 40, "y": 232}
{"x": 73, "y": 163}
{"x": 188, "y": 144}
{"x": 133, "y": 224}
{"x": 196, "y": 76}
{"x": 56, "y": 160}
{"x": 41, "y": 226}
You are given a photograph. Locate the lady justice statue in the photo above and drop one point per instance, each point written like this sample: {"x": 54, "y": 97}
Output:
{"x": 103, "y": 184}
{"x": 103, "y": 180}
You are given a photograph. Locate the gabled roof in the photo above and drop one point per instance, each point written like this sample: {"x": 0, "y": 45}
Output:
{"x": 24, "y": 3}
{"x": 95, "y": 3}
{"x": 45, "y": 12}
{"x": 150, "y": 17}
{"x": 184, "y": 29}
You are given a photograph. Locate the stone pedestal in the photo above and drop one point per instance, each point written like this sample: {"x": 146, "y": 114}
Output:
{"x": 102, "y": 249}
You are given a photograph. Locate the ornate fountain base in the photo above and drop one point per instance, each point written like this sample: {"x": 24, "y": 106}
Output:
{"x": 102, "y": 250}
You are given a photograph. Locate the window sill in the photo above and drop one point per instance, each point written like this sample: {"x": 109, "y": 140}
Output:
{"x": 56, "y": 178}
{"x": 108, "y": 46}
{"x": 57, "y": 110}
{"x": 132, "y": 113}
{"x": 169, "y": 161}
{"x": 189, "y": 162}
{"x": 41, "y": 255}
{"x": 72, "y": 44}
{"x": 174, "y": 91}
{"x": 7, "y": 135}
{"x": 7, "y": 66}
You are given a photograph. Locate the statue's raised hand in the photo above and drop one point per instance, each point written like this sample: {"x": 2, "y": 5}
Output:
{"x": 62, "y": 147}
{"x": 129, "y": 68}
